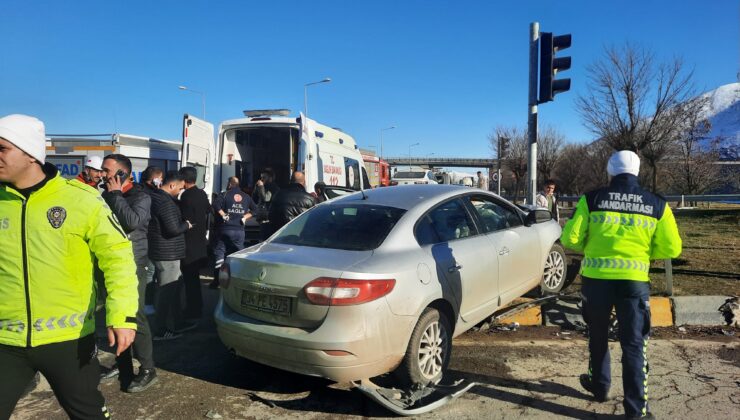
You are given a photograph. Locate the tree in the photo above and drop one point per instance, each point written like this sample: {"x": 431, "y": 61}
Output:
{"x": 549, "y": 144}
{"x": 515, "y": 158}
{"x": 694, "y": 169}
{"x": 632, "y": 102}
{"x": 570, "y": 170}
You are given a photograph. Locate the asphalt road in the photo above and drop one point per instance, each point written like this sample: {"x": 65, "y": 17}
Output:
{"x": 531, "y": 373}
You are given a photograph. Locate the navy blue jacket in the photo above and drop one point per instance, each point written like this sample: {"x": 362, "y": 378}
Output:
{"x": 236, "y": 203}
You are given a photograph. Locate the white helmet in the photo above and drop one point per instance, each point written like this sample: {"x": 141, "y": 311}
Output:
{"x": 95, "y": 162}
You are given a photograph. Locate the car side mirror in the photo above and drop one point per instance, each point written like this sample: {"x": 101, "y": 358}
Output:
{"x": 537, "y": 216}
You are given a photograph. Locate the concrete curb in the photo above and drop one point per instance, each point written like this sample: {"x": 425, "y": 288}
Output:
{"x": 664, "y": 312}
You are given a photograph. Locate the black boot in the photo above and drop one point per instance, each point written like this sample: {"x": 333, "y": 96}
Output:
{"x": 142, "y": 381}
{"x": 599, "y": 396}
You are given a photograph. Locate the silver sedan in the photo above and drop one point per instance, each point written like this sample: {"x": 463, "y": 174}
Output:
{"x": 381, "y": 281}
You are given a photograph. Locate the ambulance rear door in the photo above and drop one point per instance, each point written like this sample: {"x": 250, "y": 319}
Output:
{"x": 198, "y": 150}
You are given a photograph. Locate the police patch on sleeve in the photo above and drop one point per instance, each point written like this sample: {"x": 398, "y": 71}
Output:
{"x": 56, "y": 216}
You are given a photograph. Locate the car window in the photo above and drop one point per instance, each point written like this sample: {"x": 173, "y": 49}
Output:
{"x": 450, "y": 221}
{"x": 425, "y": 233}
{"x": 408, "y": 175}
{"x": 494, "y": 216}
{"x": 355, "y": 227}
{"x": 430, "y": 176}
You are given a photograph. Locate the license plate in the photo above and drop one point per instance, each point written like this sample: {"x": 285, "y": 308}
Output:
{"x": 266, "y": 303}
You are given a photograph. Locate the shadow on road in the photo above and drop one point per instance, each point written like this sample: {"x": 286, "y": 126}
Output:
{"x": 495, "y": 388}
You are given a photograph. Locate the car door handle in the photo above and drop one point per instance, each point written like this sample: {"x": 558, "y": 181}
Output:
{"x": 504, "y": 251}
{"x": 454, "y": 268}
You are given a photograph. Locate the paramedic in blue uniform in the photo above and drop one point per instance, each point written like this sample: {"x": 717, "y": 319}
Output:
{"x": 233, "y": 208}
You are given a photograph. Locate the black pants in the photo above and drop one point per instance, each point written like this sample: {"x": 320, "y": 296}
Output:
{"x": 71, "y": 369}
{"x": 193, "y": 292}
{"x": 142, "y": 346}
{"x": 631, "y": 299}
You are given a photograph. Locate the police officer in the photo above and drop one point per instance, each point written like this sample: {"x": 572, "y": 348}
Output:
{"x": 233, "y": 208}
{"x": 620, "y": 229}
{"x": 51, "y": 232}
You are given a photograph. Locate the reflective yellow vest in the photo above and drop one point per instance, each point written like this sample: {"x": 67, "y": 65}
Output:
{"x": 621, "y": 228}
{"x": 48, "y": 247}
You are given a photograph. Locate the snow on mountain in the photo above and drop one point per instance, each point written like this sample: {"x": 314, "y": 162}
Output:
{"x": 723, "y": 112}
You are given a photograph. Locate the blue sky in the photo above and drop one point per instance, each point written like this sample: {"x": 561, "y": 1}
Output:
{"x": 444, "y": 72}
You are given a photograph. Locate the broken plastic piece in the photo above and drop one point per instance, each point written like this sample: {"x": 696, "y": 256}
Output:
{"x": 415, "y": 401}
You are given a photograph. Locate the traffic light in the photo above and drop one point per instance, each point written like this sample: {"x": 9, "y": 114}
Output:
{"x": 550, "y": 66}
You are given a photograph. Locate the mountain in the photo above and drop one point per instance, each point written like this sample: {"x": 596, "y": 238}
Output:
{"x": 723, "y": 112}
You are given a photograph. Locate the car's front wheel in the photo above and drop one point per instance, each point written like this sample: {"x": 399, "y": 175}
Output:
{"x": 429, "y": 350}
{"x": 553, "y": 277}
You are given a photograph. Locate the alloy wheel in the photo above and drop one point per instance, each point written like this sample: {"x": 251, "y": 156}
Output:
{"x": 554, "y": 270}
{"x": 432, "y": 350}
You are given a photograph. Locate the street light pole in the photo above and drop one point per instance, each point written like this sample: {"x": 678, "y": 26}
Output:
{"x": 410, "y": 146}
{"x": 381, "y": 138}
{"x": 305, "y": 92}
{"x": 202, "y": 98}
{"x": 498, "y": 171}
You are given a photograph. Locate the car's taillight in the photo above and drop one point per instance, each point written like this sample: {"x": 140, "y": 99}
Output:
{"x": 341, "y": 292}
{"x": 224, "y": 276}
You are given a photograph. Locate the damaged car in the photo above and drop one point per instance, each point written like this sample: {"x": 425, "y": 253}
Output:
{"x": 382, "y": 280}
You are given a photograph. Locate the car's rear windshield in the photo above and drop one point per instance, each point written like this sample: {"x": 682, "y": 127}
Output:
{"x": 352, "y": 227}
{"x": 409, "y": 175}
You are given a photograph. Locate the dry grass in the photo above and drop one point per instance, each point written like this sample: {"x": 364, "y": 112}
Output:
{"x": 710, "y": 262}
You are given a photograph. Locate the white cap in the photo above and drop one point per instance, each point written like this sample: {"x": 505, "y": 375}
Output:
{"x": 26, "y": 133}
{"x": 95, "y": 162}
{"x": 623, "y": 162}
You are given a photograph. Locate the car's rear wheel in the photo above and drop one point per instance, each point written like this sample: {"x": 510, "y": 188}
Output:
{"x": 553, "y": 277}
{"x": 429, "y": 350}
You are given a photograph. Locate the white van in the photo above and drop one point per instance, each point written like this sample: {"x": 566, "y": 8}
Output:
{"x": 68, "y": 152}
{"x": 455, "y": 178}
{"x": 270, "y": 139}
{"x": 413, "y": 175}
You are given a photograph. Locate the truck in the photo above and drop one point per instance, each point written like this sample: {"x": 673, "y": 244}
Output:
{"x": 68, "y": 151}
{"x": 378, "y": 170}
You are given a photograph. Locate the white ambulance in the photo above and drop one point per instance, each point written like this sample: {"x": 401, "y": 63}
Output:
{"x": 272, "y": 140}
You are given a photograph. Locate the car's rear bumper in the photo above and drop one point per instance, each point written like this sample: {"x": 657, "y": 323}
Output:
{"x": 365, "y": 342}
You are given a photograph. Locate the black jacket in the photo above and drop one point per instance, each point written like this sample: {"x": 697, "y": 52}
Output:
{"x": 133, "y": 210}
{"x": 166, "y": 229}
{"x": 195, "y": 209}
{"x": 288, "y": 204}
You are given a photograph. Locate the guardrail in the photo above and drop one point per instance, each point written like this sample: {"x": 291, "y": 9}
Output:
{"x": 676, "y": 198}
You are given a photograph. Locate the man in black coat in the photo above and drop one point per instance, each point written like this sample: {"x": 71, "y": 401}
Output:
{"x": 290, "y": 202}
{"x": 166, "y": 248}
{"x": 195, "y": 209}
{"x": 131, "y": 205}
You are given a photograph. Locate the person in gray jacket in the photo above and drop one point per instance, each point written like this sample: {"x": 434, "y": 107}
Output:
{"x": 131, "y": 205}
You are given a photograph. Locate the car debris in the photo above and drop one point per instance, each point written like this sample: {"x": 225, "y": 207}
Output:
{"x": 212, "y": 414}
{"x": 417, "y": 400}
{"x": 731, "y": 311}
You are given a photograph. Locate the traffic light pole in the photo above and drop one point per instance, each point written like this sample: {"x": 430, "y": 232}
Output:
{"x": 534, "y": 35}
{"x": 498, "y": 170}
